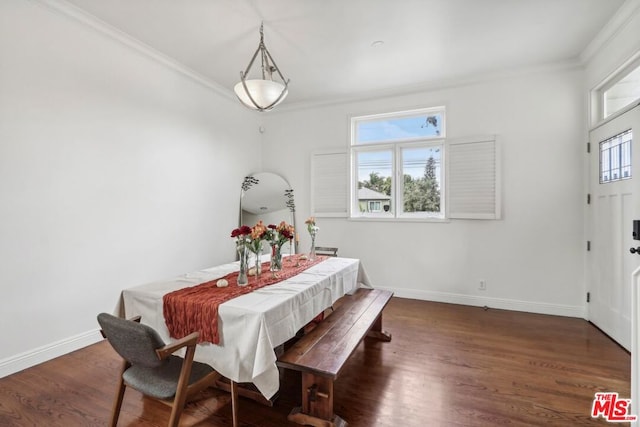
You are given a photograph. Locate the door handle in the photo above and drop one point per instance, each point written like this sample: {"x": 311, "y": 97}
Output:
{"x": 635, "y": 250}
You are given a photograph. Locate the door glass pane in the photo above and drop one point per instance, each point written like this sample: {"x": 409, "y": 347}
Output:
{"x": 615, "y": 157}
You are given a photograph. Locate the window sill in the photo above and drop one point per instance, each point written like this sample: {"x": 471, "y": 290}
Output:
{"x": 394, "y": 219}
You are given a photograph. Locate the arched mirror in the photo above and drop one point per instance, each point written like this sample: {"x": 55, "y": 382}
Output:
{"x": 268, "y": 197}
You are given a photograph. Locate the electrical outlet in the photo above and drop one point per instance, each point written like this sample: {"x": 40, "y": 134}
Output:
{"x": 483, "y": 285}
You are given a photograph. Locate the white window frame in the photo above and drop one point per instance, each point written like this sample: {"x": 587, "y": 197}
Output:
{"x": 598, "y": 102}
{"x": 397, "y": 183}
{"x": 439, "y": 143}
{"x": 399, "y": 115}
{"x": 355, "y": 202}
{"x": 470, "y": 189}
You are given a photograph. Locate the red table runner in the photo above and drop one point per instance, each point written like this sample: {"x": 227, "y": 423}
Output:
{"x": 196, "y": 308}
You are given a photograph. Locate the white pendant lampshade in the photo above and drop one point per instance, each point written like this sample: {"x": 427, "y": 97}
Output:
{"x": 264, "y": 93}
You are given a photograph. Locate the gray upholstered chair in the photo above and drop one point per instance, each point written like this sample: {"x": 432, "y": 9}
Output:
{"x": 151, "y": 368}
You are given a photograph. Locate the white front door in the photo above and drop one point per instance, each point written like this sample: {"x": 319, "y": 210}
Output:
{"x": 615, "y": 203}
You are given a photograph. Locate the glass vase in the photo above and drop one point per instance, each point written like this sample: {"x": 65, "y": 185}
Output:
{"x": 243, "y": 254}
{"x": 312, "y": 251}
{"x": 276, "y": 258}
{"x": 258, "y": 264}
{"x": 291, "y": 250}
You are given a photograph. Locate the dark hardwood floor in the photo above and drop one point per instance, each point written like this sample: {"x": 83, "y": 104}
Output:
{"x": 447, "y": 365}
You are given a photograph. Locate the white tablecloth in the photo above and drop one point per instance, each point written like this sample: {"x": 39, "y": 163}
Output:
{"x": 252, "y": 325}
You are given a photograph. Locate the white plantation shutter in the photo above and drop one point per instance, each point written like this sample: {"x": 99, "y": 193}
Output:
{"x": 473, "y": 178}
{"x": 330, "y": 183}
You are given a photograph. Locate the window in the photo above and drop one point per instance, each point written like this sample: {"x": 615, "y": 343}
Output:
{"x": 401, "y": 166}
{"x": 416, "y": 124}
{"x": 397, "y": 164}
{"x": 375, "y": 206}
{"x": 619, "y": 91}
{"x": 615, "y": 157}
{"x": 622, "y": 93}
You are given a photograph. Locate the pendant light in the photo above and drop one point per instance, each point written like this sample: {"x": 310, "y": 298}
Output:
{"x": 264, "y": 93}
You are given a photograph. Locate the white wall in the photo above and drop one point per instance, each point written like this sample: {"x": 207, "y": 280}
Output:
{"x": 532, "y": 259}
{"x": 115, "y": 170}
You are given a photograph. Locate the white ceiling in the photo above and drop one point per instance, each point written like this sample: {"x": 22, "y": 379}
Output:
{"x": 325, "y": 46}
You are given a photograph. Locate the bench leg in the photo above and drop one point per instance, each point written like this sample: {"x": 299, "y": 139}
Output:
{"x": 377, "y": 332}
{"x": 317, "y": 403}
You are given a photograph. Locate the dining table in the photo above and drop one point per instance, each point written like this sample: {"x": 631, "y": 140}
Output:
{"x": 251, "y": 326}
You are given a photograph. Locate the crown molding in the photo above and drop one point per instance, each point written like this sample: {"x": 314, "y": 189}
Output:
{"x": 80, "y": 15}
{"x": 618, "y": 21}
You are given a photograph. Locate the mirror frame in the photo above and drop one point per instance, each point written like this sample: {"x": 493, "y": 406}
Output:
{"x": 252, "y": 181}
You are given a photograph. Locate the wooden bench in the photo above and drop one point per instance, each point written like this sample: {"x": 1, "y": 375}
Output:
{"x": 322, "y": 353}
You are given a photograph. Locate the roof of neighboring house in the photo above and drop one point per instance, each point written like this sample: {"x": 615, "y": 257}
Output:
{"x": 369, "y": 194}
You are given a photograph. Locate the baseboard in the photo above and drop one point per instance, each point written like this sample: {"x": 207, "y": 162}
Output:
{"x": 499, "y": 303}
{"x": 34, "y": 357}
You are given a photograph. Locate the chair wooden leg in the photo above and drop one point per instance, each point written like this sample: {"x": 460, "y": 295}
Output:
{"x": 117, "y": 404}
{"x": 234, "y": 402}
{"x": 176, "y": 412}
{"x": 178, "y": 406}
{"x": 183, "y": 383}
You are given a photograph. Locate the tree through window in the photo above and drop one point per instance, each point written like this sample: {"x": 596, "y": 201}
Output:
{"x": 421, "y": 193}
